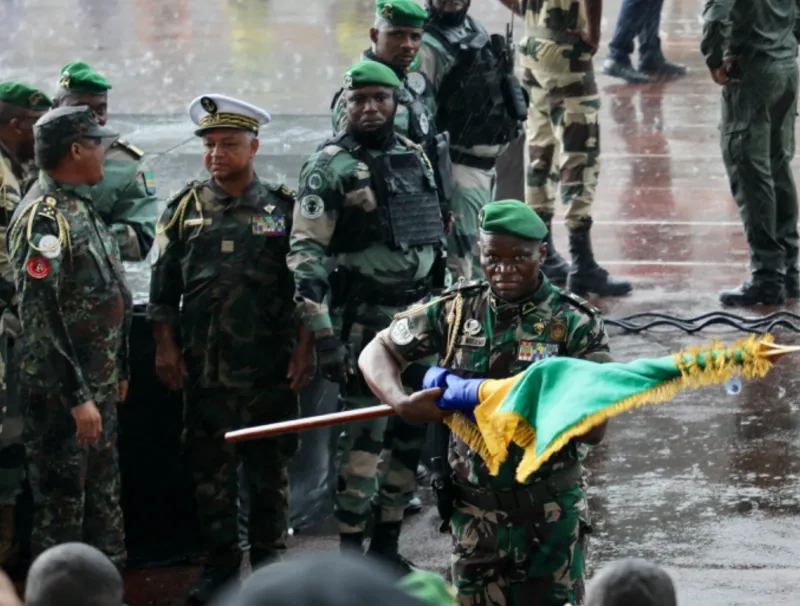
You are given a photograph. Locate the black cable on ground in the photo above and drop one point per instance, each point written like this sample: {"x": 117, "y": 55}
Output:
{"x": 641, "y": 322}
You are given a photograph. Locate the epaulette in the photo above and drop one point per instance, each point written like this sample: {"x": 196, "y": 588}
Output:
{"x": 131, "y": 148}
{"x": 580, "y": 303}
{"x": 282, "y": 191}
{"x": 180, "y": 198}
{"x": 464, "y": 286}
{"x": 176, "y": 197}
{"x": 47, "y": 207}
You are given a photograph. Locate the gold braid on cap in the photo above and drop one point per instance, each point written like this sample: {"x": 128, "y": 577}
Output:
{"x": 230, "y": 119}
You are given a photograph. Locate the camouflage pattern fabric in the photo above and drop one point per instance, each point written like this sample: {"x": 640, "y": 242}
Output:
{"x": 75, "y": 311}
{"x": 334, "y": 186}
{"x": 225, "y": 259}
{"x": 522, "y": 557}
{"x": 474, "y": 187}
{"x": 76, "y": 490}
{"x": 209, "y": 413}
{"x": 562, "y": 130}
{"x": 126, "y": 199}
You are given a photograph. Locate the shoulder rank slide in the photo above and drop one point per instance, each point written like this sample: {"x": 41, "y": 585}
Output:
{"x": 580, "y": 303}
{"x": 130, "y": 147}
{"x": 464, "y": 286}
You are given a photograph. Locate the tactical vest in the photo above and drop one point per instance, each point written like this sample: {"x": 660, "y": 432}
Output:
{"x": 408, "y": 214}
{"x": 480, "y": 100}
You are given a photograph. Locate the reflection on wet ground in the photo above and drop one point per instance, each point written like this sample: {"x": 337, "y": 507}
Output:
{"x": 707, "y": 485}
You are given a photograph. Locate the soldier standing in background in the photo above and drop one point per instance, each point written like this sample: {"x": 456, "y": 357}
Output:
{"x": 368, "y": 198}
{"x": 751, "y": 50}
{"x": 561, "y": 38}
{"x": 126, "y": 197}
{"x": 222, "y": 247}
{"x": 481, "y": 104}
{"x": 72, "y": 355}
{"x": 20, "y": 106}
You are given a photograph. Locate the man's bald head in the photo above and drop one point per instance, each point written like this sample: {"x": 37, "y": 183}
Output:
{"x": 631, "y": 582}
{"x": 73, "y": 574}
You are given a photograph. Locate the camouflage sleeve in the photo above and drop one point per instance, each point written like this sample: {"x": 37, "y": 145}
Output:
{"x": 432, "y": 62}
{"x": 320, "y": 196}
{"x": 39, "y": 280}
{"x": 716, "y": 27}
{"x": 587, "y": 336}
{"x": 134, "y": 213}
{"x": 338, "y": 115}
{"x": 417, "y": 333}
{"x": 166, "y": 279}
{"x": 9, "y": 200}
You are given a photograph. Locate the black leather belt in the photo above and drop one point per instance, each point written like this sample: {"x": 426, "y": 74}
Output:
{"x": 474, "y": 161}
{"x": 517, "y": 499}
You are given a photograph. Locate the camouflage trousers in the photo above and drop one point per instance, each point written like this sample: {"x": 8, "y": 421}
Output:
{"x": 517, "y": 559}
{"x": 209, "y": 414}
{"x": 369, "y": 473}
{"x": 12, "y": 452}
{"x": 562, "y": 119}
{"x": 474, "y": 189}
{"x": 76, "y": 489}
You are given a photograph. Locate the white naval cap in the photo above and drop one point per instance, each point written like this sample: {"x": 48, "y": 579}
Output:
{"x": 219, "y": 111}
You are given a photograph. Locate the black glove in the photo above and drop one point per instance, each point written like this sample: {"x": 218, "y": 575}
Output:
{"x": 333, "y": 360}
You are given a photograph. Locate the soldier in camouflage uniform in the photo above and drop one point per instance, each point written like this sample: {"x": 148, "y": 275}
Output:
{"x": 222, "y": 246}
{"x": 480, "y": 102}
{"x": 72, "y": 355}
{"x": 368, "y": 198}
{"x": 20, "y": 106}
{"x": 126, "y": 197}
{"x": 513, "y": 544}
{"x": 563, "y": 137}
{"x": 396, "y": 38}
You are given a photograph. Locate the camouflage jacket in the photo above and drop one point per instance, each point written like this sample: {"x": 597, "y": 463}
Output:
{"x": 497, "y": 340}
{"x": 414, "y": 99}
{"x": 435, "y": 63}
{"x": 126, "y": 199}
{"x": 541, "y": 49}
{"x": 226, "y": 258}
{"x": 13, "y": 176}
{"x": 74, "y": 305}
{"x": 336, "y": 191}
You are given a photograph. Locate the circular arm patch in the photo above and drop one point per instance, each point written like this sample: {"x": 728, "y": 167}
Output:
{"x": 38, "y": 267}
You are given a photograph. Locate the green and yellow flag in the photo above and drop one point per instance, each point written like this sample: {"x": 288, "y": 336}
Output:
{"x": 558, "y": 399}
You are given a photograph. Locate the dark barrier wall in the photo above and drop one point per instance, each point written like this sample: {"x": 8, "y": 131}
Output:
{"x": 157, "y": 493}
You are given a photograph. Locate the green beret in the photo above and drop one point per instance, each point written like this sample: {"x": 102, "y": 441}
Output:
{"x": 514, "y": 218}
{"x": 428, "y": 588}
{"x": 24, "y": 95}
{"x": 370, "y": 73}
{"x": 78, "y": 77}
{"x": 405, "y": 13}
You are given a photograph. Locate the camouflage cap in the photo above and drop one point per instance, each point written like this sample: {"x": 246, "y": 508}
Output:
{"x": 24, "y": 95}
{"x": 79, "y": 77}
{"x": 405, "y": 13}
{"x": 67, "y": 124}
{"x": 512, "y": 217}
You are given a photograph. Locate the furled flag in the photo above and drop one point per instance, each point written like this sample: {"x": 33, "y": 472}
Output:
{"x": 557, "y": 399}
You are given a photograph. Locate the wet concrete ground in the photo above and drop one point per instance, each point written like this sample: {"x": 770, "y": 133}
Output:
{"x": 706, "y": 485}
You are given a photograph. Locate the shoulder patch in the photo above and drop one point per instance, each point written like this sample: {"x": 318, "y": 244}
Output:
{"x": 464, "y": 287}
{"x": 136, "y": 152}
{"x": 580, "y": 302}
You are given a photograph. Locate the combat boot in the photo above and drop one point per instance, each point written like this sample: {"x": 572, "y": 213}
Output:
{"x": 753, "y": 293}
{"x": 352, "y": 542}
{"x": 385, "y": 546}
{"x": 220, "y": 573}
{"x": 8, "y": 546}
{"x": 555, "y": 267}
{"x": 586, "y": 276}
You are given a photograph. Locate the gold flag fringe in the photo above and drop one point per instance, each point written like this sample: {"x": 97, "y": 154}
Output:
{"x": 699, "y": 366}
